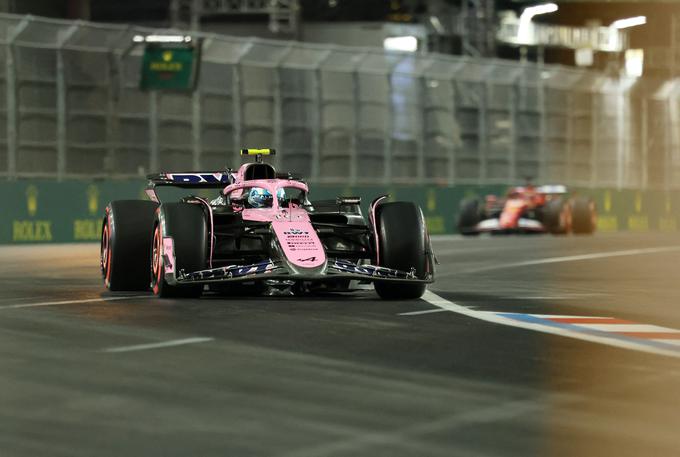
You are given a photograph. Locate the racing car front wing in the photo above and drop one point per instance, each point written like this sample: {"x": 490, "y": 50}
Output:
{"x": 269, "y": 269}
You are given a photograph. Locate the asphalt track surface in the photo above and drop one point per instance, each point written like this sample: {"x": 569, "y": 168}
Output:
{"x": 84, "y": 372}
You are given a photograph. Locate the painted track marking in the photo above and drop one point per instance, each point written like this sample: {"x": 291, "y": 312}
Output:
{"x": 427, "y": 311}
{"x": 570, "y": 258}
{"x": 160, "y": 345}
{"x": 656, "y": 342}
{"x": 72, "y": 302}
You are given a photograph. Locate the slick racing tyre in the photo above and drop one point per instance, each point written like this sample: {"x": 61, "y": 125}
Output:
{"x": 557, "y": 217}
{"x": 402, "y": 245}
{"x": 186, "y": 224}
{"x": 470, "y": 216}
{"x": 126, "y": 243}
{"x": 584, "y": 215}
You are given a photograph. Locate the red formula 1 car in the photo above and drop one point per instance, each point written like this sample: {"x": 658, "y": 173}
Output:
{"x": 529, "y": 209}
{"x": 262, "y": 230}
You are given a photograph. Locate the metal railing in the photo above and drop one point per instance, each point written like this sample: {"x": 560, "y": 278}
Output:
{"x": 72, "y": 108}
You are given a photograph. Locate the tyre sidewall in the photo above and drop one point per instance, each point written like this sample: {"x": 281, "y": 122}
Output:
{"x": 402, "y": 245}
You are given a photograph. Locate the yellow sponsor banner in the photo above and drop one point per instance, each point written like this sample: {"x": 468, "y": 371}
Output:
{"x": 23, "y": 230}
{"x": 668, "y": 224}
{"x": 166, "y": 66}
{"x": 638, "y": 223}
{"x": 607, "y": 223}
{"x": 435, "y": 224}
{"x": 86, "y": 229}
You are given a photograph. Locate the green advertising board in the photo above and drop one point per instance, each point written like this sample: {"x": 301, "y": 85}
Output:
{"x": 169, "y": 67}
{"x": 46, "y": 211}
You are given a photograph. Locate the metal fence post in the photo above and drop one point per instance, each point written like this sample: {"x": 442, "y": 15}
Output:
{"x": 389, "y": 129}
{"x": 196, "y": 129}
{"x": 542, "y": 129}
{"x": 454, "y": 149}
{"x": 422, "y": 138}
{"x": 594, "y": 146}
{"x": 278, "y": 104}
{"x": 12, "y": 110}
{"x": 483, "y": 137}
{"x": 197, "y": 115}
{"x": 237, "y": 99}
{"x": 61, "y": 102}
{"x": 644, "y": 142}
{"x": 354, "y": 143}
{"x": 620, "y": 133}
{"x": 517, "y": 94}
{"x": 570, "y": 138}
{"x": 153, "y": 132}
{"x": 317, "y": 137}
{"x": 668, "y": 150}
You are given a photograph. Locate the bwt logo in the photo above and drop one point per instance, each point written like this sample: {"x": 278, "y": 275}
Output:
{"x": 295, "y": 231}
{"x": 198, "y": 178}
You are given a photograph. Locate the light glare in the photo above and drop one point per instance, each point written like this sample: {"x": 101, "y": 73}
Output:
{"x": 161, "y": 39}
{"x": 525, "y": 28}
{"x": 629, "y": 22}
{"x": 401, "y": 43}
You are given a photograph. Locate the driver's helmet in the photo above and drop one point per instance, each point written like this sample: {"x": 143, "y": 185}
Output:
{"x": 259, "y": 198}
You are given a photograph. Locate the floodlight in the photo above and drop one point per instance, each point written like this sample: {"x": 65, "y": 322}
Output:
{"x": 524, "y": 28}
{"x": 544, "y": 8}
{"x": 629, "y": 22}
{"x": 401, "y": 43}
{"x": 161, "y": 39}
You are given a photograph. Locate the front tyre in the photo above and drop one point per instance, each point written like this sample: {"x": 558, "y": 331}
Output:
{"x": 125, "y": 244}
{"x": 185, "y": 224}
{"x": 402, "y": 245}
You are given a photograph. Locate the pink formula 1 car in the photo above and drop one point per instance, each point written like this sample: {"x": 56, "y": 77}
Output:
{"x": 529, "y": 209}
{"x": 261, "y": 230}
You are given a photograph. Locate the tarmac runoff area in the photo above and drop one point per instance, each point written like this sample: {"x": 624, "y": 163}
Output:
{"x": 525, "y": 346}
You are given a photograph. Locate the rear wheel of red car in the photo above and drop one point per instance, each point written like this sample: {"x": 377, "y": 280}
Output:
{"x": 402, "y": 245}
{"x": 125, "y": 244}
{"x": 185, "y": 223}
{"x": 585, "y": 215}
{"x": 557, "y": 216}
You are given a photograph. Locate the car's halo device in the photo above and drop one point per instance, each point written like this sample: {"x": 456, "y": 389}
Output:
{"x": 262, "y": 229}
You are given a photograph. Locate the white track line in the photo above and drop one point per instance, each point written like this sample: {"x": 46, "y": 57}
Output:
{"x": 162, "y": 344}
{"x": 643, "y": 328}
{"x": 495, "y": 318}
{"x": 72, "y": 302}
{"x": 427, "y": 311}
{"x": 570, "y": 258}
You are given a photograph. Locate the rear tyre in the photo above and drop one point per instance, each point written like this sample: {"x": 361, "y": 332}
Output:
{"x": 585, "y": 215}
{"x": 470, "y": 216}
{"x": 557, "y": 217}
{"x": 402, "y": 245}
{"x": 126, "y": 243}
{"x": 185, "y": 224}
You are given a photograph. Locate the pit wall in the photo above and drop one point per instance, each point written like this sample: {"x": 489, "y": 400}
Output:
{"x": 71, "y": 211}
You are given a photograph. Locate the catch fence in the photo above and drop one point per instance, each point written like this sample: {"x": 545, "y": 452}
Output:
{"x": 71, "y": 107}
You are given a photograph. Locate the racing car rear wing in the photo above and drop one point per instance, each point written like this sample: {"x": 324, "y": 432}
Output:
{"x": 192, "y": 179}
{"x": 552, "y": 189}
{"x": 188, "y": 180}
